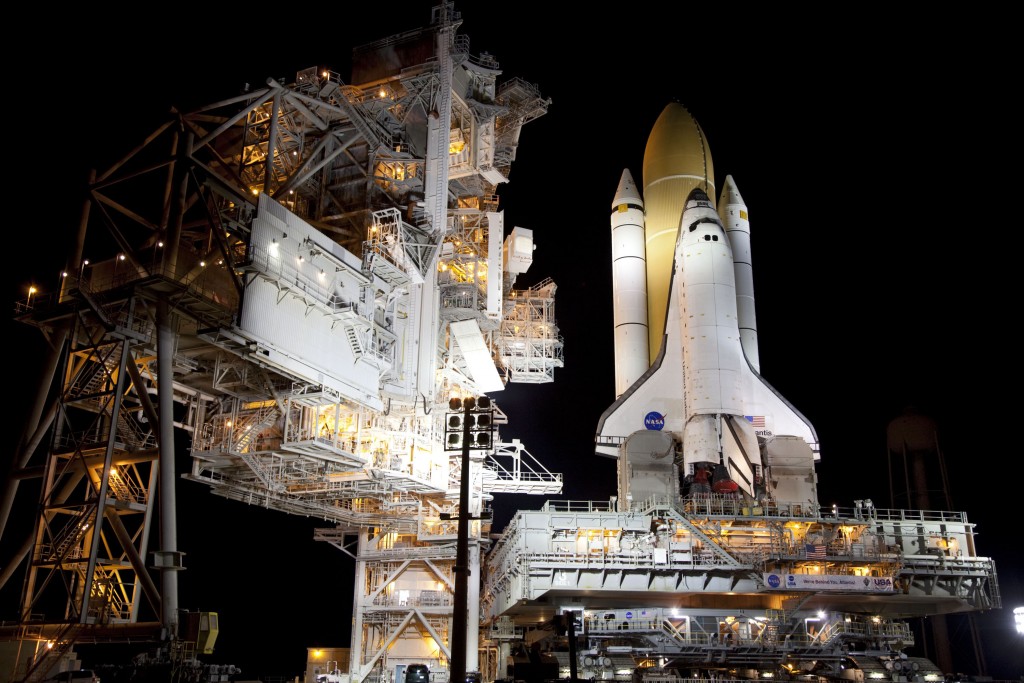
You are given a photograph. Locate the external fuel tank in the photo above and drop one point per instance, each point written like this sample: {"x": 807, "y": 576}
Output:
{"x": 677, "y": 159}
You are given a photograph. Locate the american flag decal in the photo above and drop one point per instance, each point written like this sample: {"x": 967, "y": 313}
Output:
{"x": 755, "y": 420}
{"x": 815, "y": 551}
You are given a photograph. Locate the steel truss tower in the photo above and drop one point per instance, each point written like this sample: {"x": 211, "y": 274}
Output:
{"x": 296, "y": 281}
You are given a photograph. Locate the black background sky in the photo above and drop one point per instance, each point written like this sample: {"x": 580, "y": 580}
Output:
{"x": 873, "y": 154}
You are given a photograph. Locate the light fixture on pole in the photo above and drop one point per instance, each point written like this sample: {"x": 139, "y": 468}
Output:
{"x": 468, "y": 430}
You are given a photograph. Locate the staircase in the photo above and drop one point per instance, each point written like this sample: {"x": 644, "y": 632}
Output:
{"x": 70, "y": 536}
{"x": 708, "y": 542}
{"x": 62, "y": 643}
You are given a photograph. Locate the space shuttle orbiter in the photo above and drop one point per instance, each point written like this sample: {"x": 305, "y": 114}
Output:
{"x": 701, "y": 410}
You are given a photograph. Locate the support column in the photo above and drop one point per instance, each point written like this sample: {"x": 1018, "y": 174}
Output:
{"x": 473, "y": 611}
{"x": 168, "y": 557}
{"x": 357, "y": 645}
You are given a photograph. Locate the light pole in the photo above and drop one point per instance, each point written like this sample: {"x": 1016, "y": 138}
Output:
{"x": 468, "y": 430}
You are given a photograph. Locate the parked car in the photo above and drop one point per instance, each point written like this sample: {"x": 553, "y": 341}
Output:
{"x": 79, "y": 676}
{"x": 417, "y": 673}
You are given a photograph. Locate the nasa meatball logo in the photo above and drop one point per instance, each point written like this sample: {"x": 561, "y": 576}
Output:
{"x": 774, "y": 581}
{"x": 655, "y": 421}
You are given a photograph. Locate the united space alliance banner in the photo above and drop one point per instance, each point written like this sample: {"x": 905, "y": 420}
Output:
{"x": 829, "y": 582}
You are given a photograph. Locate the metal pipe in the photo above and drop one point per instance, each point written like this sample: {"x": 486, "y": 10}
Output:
{"x": 168, "y": 475}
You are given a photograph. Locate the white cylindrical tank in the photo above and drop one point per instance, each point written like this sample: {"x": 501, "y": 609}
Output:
{"x": 733, "y": 213}
{"x": 629, "y": 284}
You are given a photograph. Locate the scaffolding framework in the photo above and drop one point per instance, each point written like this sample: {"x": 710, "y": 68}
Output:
{"x": 248, "y": 232}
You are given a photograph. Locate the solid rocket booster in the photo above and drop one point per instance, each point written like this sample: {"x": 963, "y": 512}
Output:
{"x": 733, "y": 213}
{"x": 676, "y": 160}
{"x": 629, "y": 284}
{"x": 716, "y": 431}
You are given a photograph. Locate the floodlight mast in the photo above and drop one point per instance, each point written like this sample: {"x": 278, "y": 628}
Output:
{"x": 457, "y": 666}
{"x": 472, "y": 409}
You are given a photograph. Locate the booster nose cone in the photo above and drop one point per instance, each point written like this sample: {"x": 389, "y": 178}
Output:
{"x": 730, "y": 194}
{"x": 627, "y": 192}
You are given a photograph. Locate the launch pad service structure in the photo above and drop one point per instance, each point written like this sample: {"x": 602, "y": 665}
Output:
{"x": 306, "y": 276}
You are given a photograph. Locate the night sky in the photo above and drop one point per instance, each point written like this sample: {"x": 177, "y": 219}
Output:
{"x": 869, "y": 155}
